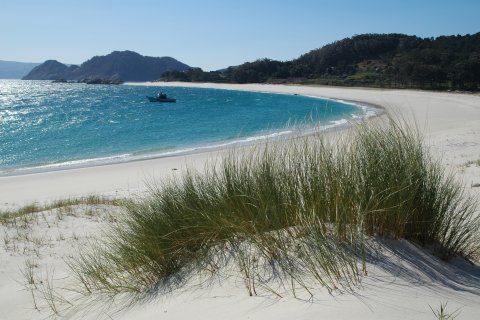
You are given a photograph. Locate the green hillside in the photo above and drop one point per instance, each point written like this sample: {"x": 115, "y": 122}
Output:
{"x": 379, "y": 60}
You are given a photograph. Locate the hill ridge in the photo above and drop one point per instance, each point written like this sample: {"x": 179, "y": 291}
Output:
{"x": 15, "y": 69}
{"x": 118, "y": 65}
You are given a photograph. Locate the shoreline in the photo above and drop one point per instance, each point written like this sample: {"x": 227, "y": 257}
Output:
{"x": 369, "y": 111}
{"x": 441, "y": 117}
{"x": 240, "y": 142}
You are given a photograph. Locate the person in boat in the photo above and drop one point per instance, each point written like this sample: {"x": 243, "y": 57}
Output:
{"x": 161, "y": 95}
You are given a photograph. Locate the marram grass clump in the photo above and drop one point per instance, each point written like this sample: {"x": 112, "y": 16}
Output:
{"x": 10, "y": 215}
{"x": 293, "y": 213}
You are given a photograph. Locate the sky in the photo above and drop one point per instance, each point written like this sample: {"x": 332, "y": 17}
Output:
{"x": 214, "y": 34}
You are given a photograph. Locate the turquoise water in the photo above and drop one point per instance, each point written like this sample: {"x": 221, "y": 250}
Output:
{"x": 49, "y": 125}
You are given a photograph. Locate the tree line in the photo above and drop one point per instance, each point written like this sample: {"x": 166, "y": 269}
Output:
{"x": 380, "y": 60}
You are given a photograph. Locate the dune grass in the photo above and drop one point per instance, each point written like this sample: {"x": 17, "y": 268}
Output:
{"x": 296, "y": 212}
{"x": 442, "y": 314}
{"x": 8, "y": 215}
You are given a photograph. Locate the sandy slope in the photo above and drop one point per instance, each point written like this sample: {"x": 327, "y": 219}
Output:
{"x": 403, "y": 281}
{"x": 401, "y": 284}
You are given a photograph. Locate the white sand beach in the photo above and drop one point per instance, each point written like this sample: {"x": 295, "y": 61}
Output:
{"x": 404, "y": 282}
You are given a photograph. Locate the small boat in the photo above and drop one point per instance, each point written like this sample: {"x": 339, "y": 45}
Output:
{"x": 162, "y": 97}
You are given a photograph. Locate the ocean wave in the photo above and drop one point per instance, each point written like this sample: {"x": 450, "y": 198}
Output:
{"x": 129, "y": 157}
{"x": 71, "y": 164}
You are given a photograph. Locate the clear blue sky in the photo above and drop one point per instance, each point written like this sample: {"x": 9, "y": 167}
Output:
{"x": 214, "y": 34}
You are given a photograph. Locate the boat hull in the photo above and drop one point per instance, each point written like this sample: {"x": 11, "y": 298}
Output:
{"x": 155, "y": 99}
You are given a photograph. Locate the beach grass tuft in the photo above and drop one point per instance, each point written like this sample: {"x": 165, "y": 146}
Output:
{"x": 9, "y": 215}
{"x": 295, "y": 213}
{"x": 442, "y": 314}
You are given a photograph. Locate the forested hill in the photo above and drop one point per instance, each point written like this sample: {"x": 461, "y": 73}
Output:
{"x": 381, "y": 60}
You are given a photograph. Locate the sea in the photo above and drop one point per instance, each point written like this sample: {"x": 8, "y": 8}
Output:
{"x": 51, "y": 126}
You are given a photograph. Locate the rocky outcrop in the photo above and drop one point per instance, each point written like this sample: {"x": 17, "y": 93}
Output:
{"x": 101, "y": 81}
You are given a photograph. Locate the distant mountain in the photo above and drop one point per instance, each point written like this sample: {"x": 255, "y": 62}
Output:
{"x": 15, "y": 70}
{"x": 123, "y": 65}
{"x": 50, "y": 70}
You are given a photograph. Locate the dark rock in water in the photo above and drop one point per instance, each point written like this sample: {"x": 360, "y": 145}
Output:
{"x": 101, "y": 81}
{"x": 90, "y": 81}
{"x": 125, "y": 65}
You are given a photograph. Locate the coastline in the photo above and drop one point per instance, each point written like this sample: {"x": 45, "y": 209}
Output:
{"x": 440, "y": 116}
{"x": 364, "y": 111}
